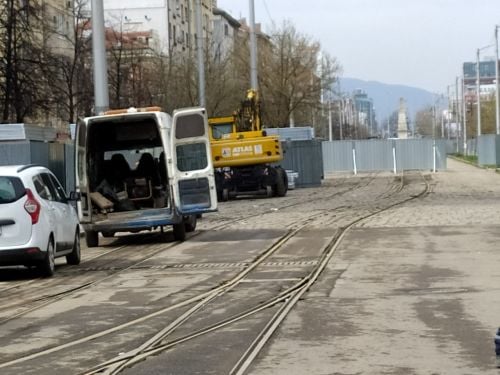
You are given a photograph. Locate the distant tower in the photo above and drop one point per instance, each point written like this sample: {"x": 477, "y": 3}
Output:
{"x": 402, "y": 120}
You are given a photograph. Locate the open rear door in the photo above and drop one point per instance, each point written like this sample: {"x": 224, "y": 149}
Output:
{"x": 193, "y": 181}
{"x": 81, "y": 179}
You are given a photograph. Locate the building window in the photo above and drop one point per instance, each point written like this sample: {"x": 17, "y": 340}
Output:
{"x": 226, "y": 30}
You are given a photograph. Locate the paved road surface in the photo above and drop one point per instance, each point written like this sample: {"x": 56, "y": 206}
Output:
{"x": 415, "y": 290}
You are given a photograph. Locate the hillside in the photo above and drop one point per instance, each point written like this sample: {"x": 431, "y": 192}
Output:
{"x": 386, "y": 96}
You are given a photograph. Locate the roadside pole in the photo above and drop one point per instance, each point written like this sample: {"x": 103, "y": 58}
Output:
{"x": 101, "y": 95}
{"x": 201, "y": 61}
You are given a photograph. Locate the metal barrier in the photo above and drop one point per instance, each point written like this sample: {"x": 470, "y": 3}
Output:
{"x": 393, "y": 155}
{"x": 58, "y": 157}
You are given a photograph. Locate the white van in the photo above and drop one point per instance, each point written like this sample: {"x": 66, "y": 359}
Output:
{"x": 140, "y": 169}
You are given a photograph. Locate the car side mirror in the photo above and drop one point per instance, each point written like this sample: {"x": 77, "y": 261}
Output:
{"x": 75, "y": 196}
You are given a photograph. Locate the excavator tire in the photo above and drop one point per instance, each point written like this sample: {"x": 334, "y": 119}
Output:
{"x": 281, "y": 183}
{"x": 225, "y": 195}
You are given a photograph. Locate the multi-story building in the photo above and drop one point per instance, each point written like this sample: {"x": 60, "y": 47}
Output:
{"x": 487, "y": 77}
{"x": 171, "y": 21}
{"x": 365, "y": 110}
{"x": 225, "y": 30}
{"x": 52, "y": 23}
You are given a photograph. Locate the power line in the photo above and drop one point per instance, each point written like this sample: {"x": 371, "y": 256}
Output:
{"x": 269, "y": 14}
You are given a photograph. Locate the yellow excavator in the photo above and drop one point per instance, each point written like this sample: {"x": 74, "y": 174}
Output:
{"x": 243, "y": 153}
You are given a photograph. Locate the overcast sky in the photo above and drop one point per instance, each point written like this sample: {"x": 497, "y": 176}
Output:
{"x": 420, "y": 43}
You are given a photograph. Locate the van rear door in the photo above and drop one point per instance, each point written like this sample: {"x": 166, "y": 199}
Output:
{"x": 81, "y": 178}
{"x": 193, "y": 182}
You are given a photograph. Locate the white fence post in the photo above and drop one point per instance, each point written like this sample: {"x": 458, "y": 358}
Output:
{"x": 434, "y": 156}
{"x": 354, "y": 157}
{"x": 394, "y": 157}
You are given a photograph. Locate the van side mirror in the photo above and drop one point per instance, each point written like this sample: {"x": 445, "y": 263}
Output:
{"x": 75, "y": 196}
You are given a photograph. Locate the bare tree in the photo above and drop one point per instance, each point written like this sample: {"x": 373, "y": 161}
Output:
{"x": 225, "y": 86}
{"x": 21, "y": 89}
{"x": 69, "y": 68}
{"x": 293, "y": 76}
{"x": 424, "y": 122}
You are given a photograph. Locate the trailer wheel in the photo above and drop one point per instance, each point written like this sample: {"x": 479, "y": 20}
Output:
{"x": 281, "y": 182}
{"x": 180, "y": 231}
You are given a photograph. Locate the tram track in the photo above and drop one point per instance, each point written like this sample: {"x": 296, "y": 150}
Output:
{"x": 288, "y": 299}
{"x": 158, "y": 342}
{"x": 38, "y": 301}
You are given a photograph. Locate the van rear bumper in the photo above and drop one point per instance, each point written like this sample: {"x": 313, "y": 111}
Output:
{"x": 133, "y": 221}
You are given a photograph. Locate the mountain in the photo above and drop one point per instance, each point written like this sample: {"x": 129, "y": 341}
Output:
{"x": 386, "y": 96}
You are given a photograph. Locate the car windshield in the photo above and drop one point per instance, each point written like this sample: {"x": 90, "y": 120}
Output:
{"x": 11, "y": 189}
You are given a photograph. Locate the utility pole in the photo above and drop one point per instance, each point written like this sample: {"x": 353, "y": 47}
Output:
{"x": 101, "y": 95}
{"x": 200, "y": 53}
{"x": 464, "y": 107}
{"x": 497, "y": 109}
{"x": 458, "y": 113}
{"x": 478, "y": 93}
{"x": 253, "y": 49}
{"x": 458, "y": 121}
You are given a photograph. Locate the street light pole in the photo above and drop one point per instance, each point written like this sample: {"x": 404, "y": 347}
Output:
{"x": 101, "y": 94}
{"x": 478, "y": 93}
{"x": 253, "y": 48}
{"x": 458, "y": 121}
{"x": 200, "y": 55}
{"x": 464, "y": 115}
{"x": 497, "y": 83}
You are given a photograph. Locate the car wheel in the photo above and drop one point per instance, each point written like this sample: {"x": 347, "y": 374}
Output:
{"x": 108, "y": 234}
{"x": 180, "y": 231}
{"x": 75, "y": 256}
{"x": 92, "y": 239}
{"x": 190, "y": 223}
{"x": 48, "y": 265}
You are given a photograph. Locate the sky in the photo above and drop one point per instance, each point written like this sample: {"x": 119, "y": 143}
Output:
{"x": 419, "y": 43}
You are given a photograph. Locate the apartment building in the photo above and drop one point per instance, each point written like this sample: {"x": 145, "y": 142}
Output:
{"x": 172, "y": 22}
{"x": 225, "y": 31}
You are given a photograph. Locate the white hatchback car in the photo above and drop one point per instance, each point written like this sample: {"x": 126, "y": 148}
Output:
{"x": 37, "y": 221}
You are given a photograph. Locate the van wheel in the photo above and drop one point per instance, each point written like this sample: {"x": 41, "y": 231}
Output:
{"x": 190, "y": 223}
{"x": 91, "y": 238}
{"x": 75, "y": 256}
{"x": 48, "y": 265}
{"x": 180, "y": 231}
